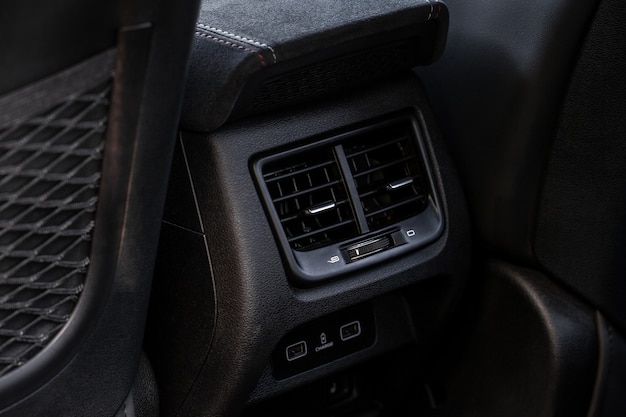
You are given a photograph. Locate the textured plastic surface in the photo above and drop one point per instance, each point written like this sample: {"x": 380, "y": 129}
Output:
{"x": 255, "y": 305}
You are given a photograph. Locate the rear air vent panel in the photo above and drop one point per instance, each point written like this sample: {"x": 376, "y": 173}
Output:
{"x": 332, "y": 200}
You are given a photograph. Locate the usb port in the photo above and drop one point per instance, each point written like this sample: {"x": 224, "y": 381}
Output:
{"x": 350, "y": 330}
{"x": 295, "y": 351}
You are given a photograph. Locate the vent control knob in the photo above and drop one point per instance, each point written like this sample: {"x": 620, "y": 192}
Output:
{"x": 369, "y": 247}
{"x": 399, "y": 184}
{"x": 320, "y": 208}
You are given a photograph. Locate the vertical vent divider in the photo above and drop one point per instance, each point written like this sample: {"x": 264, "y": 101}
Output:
{"x": 352, "y": 190}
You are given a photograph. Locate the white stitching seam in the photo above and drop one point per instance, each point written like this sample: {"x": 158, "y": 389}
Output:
{"x": 431, "y": 13}
{"x": 240, "y": 39}
{"x": 233, "y": 45}
{"x": 432, "y": 9}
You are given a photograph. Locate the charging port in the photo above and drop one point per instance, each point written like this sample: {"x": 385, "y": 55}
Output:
{"x": 295, "y": 351}
{"x": 350, "y": 330}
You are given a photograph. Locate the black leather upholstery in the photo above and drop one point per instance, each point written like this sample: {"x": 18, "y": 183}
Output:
{"x": 497, "y": 91}
{"x": 531, "y": 97}
{"x": 581, "y": 229}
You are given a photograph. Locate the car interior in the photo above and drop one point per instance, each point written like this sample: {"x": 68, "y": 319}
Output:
{"x": 332, "y": 208}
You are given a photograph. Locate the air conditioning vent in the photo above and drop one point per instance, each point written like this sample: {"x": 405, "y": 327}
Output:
{"x": 351, "y": 199}
{"x": 309, "y": 196}
{"x": 388, "y": 175}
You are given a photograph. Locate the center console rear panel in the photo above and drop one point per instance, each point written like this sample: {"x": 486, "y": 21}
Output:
{"x": 247, "y": 312}
{"x": 248, "y": 301}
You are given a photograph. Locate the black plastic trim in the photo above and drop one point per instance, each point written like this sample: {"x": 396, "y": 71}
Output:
{"x": 330, "y": 347}
{"x": 319, "y": 265}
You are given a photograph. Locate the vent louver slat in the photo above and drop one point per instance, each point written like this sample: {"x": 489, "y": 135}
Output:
{"x": 388, "y": 175}
{"x": 310, "y": 198}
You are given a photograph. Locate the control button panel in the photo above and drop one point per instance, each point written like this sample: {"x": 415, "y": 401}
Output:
{"x": 324, "y": 340}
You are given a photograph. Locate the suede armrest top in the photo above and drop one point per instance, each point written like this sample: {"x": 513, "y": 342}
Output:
{"x": 236, "y": 39}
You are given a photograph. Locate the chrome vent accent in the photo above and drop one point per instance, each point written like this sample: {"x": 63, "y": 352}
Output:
{"x": 389, "y": 177}
{"x": 310, "y": 198}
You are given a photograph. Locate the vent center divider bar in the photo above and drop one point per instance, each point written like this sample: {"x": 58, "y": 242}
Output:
{"x": 352, "y": 190}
